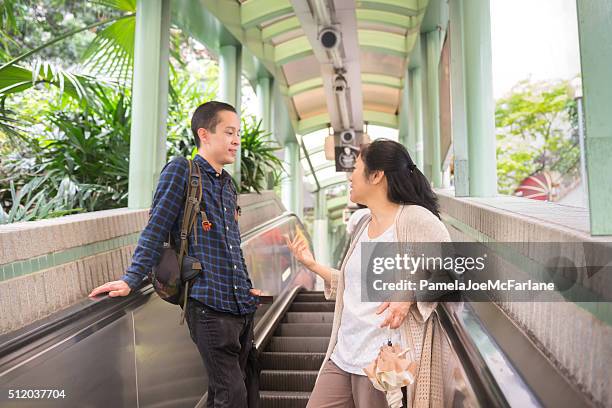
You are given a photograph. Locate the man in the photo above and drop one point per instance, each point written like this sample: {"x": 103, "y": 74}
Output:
{"x": 222, "y": 302}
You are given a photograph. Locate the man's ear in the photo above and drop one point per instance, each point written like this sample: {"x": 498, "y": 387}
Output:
{"x": 203, "y": 135}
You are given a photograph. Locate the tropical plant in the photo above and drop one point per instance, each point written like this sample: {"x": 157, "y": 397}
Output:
{"x": 536, "y": 131}
{"x": 257, "y": 157}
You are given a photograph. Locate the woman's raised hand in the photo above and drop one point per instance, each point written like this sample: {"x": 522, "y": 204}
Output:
{"x": 300, "y": 249}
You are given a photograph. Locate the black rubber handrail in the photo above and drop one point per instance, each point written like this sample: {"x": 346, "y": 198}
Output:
{"x": 89, "y": 310}
{"x": 482, "y": 381}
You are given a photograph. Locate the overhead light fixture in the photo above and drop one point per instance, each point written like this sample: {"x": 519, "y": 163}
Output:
{"x": 320, "y": 11}
{"x": 340, "y": 86}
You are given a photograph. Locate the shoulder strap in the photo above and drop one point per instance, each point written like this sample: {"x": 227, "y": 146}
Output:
{"x": 193, "y": 197}
{"x": 359, "y": 226}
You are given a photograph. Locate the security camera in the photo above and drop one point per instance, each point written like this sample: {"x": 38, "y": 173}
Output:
{"x": 347, "y": 137}
{"x": 329, "y": 38}
{"x": 340, "y": 84}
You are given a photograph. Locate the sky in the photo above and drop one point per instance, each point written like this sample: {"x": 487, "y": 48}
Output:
{"x": 535, "y": 39}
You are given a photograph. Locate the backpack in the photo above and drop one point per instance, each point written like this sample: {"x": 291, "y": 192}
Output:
{"x": 176, "y": 269}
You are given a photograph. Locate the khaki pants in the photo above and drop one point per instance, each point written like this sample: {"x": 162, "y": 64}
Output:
{"x": 336, "y": 388}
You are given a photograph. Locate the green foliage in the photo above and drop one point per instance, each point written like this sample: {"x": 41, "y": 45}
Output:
{"x": 257, "y": 157}
{"x": 536, "y": 131}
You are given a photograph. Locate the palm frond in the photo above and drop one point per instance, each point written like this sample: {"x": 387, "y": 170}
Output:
{"x": 111, "y": 53}
{"x": 124, "y": 5}
{"x": 81, "y": 87}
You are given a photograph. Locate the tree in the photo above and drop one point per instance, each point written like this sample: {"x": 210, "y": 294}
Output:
{"x": 536, "y": 131}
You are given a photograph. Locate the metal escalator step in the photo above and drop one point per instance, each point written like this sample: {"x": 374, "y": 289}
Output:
{"x": 291, "y": 361}
{"x": 287, "y": 380}
{"x": 298, "y": 344}
{"x": 312, "y": 307}
{"x": 283, "y": 399}
{"x": 305, "y": 317}
{"x": 304, "y": 329}
{"x": 311, "y": 297}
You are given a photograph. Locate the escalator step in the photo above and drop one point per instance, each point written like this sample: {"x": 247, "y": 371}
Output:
{"x": 312, "y": 307}
{"x": 291, "y": 361}
{"x": 304, "y": 317}
{"x": 287, "y": 380}
{"x": 298, "y": 344}
{"x": 311, "y": 297}
{"x": 283, "y": 399}
{"x": 304, "y": 329}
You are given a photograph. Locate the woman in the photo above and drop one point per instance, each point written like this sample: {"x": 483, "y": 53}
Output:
{"x": 403, "y": 209}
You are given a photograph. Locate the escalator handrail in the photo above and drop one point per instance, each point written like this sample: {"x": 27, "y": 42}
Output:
{"x": 87, "y": 308}
{"x": 480, "y": 377}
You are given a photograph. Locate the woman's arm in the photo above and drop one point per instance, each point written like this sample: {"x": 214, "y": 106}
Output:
{"x": 301, "y": 251}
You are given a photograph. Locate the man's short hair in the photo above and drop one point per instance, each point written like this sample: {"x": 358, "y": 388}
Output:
{"x": 205, "y": 116}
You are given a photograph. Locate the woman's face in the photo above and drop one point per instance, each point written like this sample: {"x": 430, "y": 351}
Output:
{"x": 359, "y": 186}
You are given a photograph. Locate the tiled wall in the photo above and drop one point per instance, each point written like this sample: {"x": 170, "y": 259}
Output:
{"x": 48, "y": 265}
{"x": 574, "y": 337}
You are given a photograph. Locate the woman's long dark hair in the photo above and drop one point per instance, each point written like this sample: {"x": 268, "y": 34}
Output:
{"x": 405, "y": 182}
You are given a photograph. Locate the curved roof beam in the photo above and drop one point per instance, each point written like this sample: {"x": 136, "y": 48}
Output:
{"x": 379, "y": 79}
{"x": 403, "y": 7}
{"x": 280, "y": 27}
{"x": 372, "y": 79}
{"x": 388, "y": 43}
{"x": 380, "y": 118}
{"x": 255, "y": 12}
{"x": 390, "y": 19}
{"x": 292, "y": 50}
{"x": 313, "y": 123}
{"x": 305, "y": 86}
{"x": 323, "y": 166}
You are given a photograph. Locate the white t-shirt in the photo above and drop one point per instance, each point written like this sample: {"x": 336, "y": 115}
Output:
{"x": 360, "y": 335}
{"x": 355, "y": 218}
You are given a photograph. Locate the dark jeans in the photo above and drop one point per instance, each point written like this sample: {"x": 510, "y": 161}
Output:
{"x": 224, "y": 341}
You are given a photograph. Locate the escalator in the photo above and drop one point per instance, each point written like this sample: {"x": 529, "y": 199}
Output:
{"x": 131, "y": 352}
{"x": 292, "y": 358}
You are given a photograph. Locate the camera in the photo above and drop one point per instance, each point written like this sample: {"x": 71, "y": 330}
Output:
{"x": 347, "y": 137}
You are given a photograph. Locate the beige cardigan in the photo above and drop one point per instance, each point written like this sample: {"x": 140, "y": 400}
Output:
{"x": 413, "y": 224}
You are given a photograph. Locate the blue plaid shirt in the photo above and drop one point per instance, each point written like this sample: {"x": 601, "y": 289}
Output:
{"x": 224, "y": 282}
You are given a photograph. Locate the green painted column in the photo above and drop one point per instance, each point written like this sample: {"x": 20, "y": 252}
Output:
{"x": 292, "y": 184}
{"x": 264, "y": 100}
{"x": 433, "y": 98}
{"x": 459, "y": 115}
{"x": 230, "y": 89}
{"x": 149, "y": 100}
{"x": 416, "y": 83}
{"x": 595, "y": 30}
{"x": 164, "y": 59}
{"x": 404, "y": 115}
{"x": 479, "y": 103}
{"x": 321, "y": 228}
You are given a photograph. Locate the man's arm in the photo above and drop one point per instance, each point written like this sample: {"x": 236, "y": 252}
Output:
{"x": 167, "y": 203}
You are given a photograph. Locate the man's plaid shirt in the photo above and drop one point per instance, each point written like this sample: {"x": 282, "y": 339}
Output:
{"x": 224, "y": 282}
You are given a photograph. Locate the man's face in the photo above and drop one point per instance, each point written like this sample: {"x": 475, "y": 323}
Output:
{"x": 222, "y": 145}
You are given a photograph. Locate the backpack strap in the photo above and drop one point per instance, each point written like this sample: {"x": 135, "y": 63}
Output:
{"x": 190, "y": 215}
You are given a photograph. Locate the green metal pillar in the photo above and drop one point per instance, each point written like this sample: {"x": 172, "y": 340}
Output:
{"x": 321, "y": 229}
{"x": 230, "y": 89}
{"x": 292, "y": 184}
{"x": 595, "y": 29}
{"x": 149, "y": 100}
{"x": 459, "y": 115}
{"x": 416, "y": 104}
{"x": 404, "y": 116}
{"x": 479, "y": 103}
{"x": 264, "y": 100}
{"x": 433, "y": 98}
